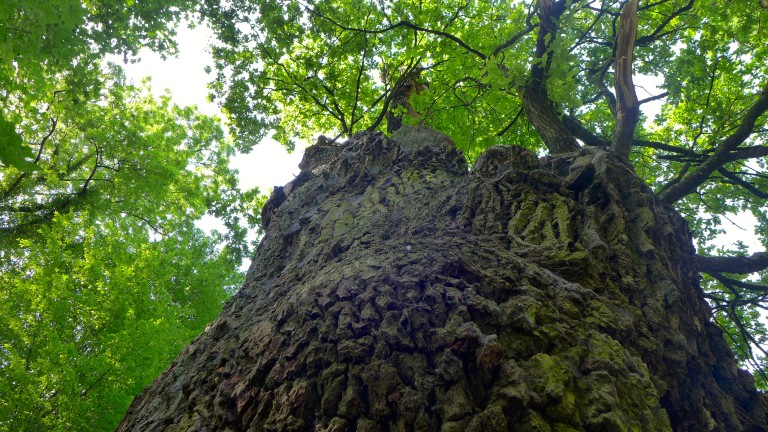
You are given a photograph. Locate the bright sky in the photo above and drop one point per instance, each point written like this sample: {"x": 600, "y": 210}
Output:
{"x": 269, "y": 164}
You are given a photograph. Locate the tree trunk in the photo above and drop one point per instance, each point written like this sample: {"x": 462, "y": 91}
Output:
{"x": 395, "y": 291}
{"x": 546, "y": 121}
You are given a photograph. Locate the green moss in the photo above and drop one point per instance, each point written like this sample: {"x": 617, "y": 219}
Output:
{"x": 552, "y": 377}
{"x": 534, "y": 422}
{"x": 600, "y": 316}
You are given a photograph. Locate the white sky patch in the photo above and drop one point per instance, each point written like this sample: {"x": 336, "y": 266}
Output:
{"x": 269, "y": 164}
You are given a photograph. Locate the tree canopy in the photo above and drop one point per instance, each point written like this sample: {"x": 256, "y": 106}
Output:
{"x": 104, "y": 276}
{"x": 551, "y": 75}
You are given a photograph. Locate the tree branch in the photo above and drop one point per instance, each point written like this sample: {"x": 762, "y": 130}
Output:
{"x": 542, "y": 113}
{"x": 627, "y": 107}
{"x": 722, "y": 152}
{"x": 657, "y": 33}
{"x": 666, "y": 147}
{"x": 17, "y": 182}
{"x": 514, "y": 120}
{"x": 653, "y": 98}
{"x": 733, "y": 264}
{"x": 585, "y": 135}
{"x": 401, "y": 23}
{"x": 514, "y": 39}
{"x": 730, "y": 283}
{"x": 738, "y": 181}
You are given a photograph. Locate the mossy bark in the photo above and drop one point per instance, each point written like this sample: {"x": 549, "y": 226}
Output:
{"x": 395, "y": 290}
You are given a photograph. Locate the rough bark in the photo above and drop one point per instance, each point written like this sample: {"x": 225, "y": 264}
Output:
{"x": 396, "y": 291}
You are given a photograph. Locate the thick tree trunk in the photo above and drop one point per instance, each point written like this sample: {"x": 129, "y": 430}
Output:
{"x": 396, "y": 291}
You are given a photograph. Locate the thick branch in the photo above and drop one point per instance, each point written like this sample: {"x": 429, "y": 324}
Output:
{"x": 747, "y": 153}
{"x": 585, "y": 135}
{"x": 734, "y": 264}
{"x": 627, "y": 107}
{"x": 542, "y": 113}
{"x": 546, "y": 120}
{"x": 549, "y": 15}
{"x": 722, "y": 152}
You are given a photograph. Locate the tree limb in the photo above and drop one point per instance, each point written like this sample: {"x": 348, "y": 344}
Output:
{"x": 627, "y": 107}
{"x": 17, "y": 182}
{"x": 657, "y": 33}
{"x": 733, "y": 264}
{"x": 542, "y": 113}
{"x": 514, "y": 120}
{"x": 666, "y": 147}
{"x": 731, "y": 283}
{"x": 514, "y": 39}
{"x": 721, "y": 154}
{"x": 738, "y": 181}
{"x": 401, "y": 23}
{"x": 585, "y": 135}
{"x": 653, "y": 98}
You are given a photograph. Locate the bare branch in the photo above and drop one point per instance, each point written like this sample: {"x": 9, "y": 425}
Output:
{"x": 747, "y": 153}
{"x": 738, "y": 181}
{"x": 401, "y": 23}
{"x": 660, "y": 32}
{"x": 733, "y": 264}
{"x": 653, "y": 98}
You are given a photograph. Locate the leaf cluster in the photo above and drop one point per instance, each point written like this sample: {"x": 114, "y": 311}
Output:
{"x": 104, "y": 276}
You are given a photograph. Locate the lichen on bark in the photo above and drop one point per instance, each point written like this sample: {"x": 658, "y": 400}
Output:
{"x": 396, "y": 290}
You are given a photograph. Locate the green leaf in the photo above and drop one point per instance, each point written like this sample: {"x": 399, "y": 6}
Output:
{"x": 13, "y": 152}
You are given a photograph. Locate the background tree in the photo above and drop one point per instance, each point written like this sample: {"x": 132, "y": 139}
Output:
{"x": 541, "y": 74}
{"x": 103, "y": 274}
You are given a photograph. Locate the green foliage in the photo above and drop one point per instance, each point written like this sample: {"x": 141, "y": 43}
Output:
{"x": 300, "y": 68}
{"x": 103, "y": 275}
{"x": 53, "y": 49}
{"x": 12, "y": 151}
{"x": 92, "y": 310}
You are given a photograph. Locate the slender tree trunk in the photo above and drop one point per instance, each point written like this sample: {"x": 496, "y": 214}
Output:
{"x": 395, "y": 291}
